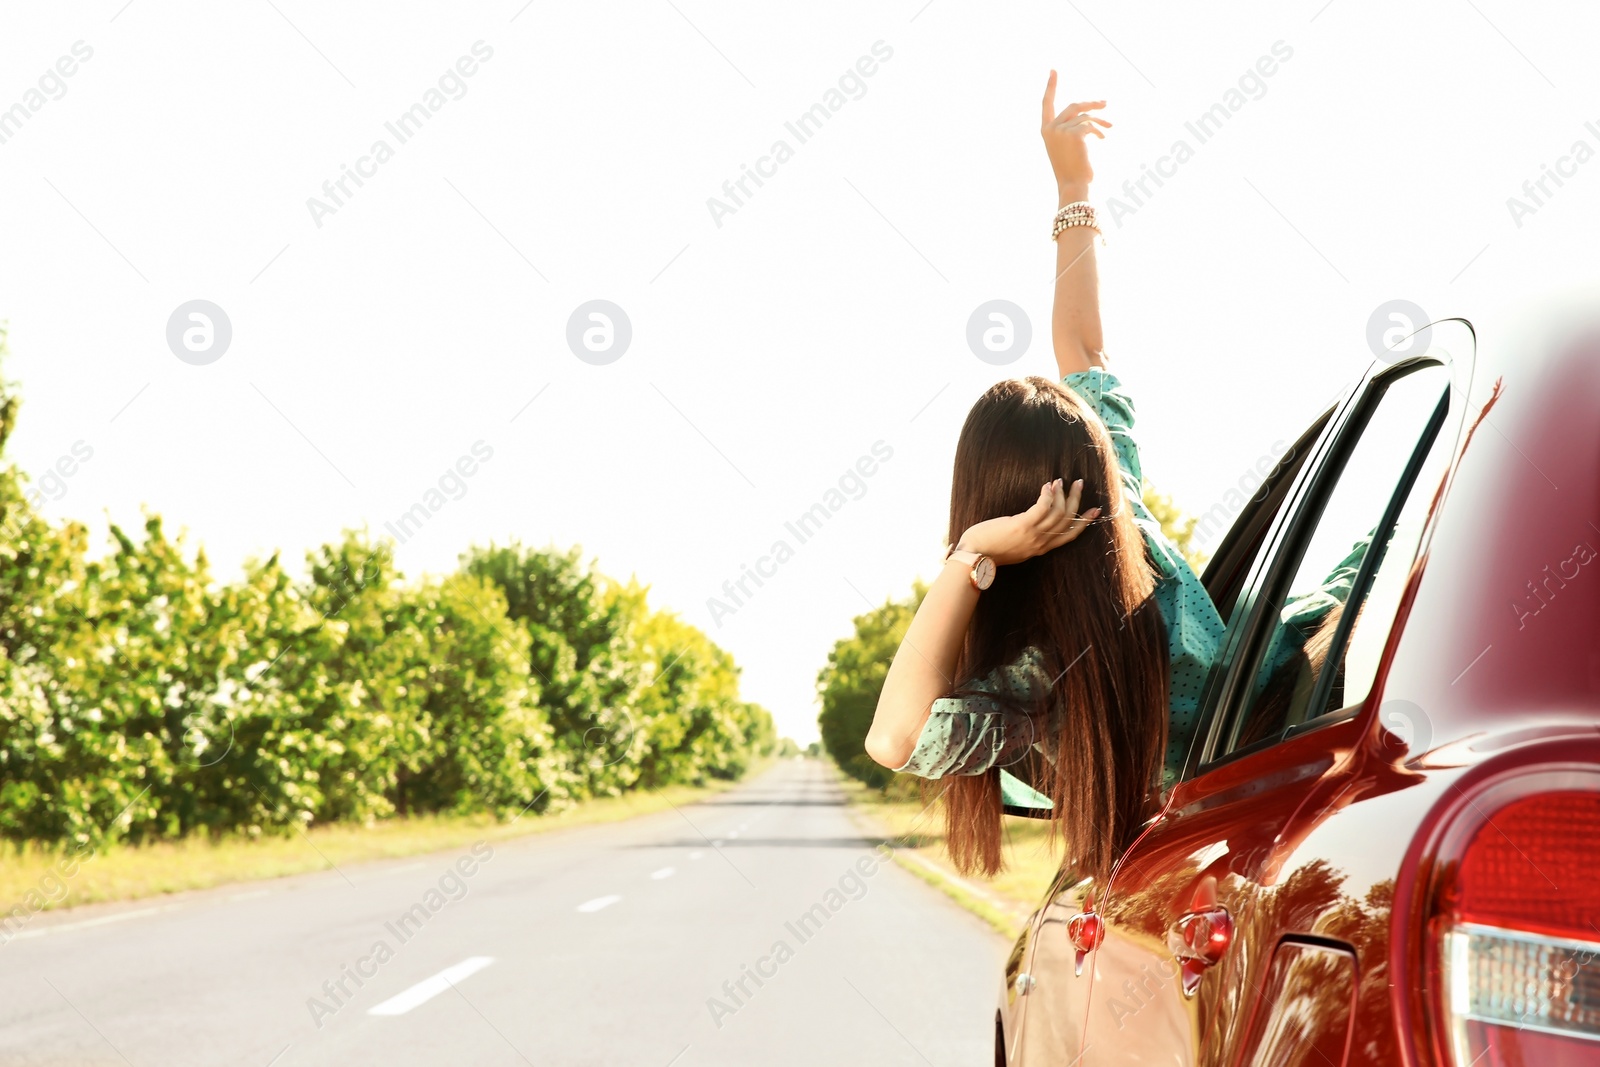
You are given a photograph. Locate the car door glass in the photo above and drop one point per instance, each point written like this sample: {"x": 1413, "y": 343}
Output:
{"x": 1310, "y": 634}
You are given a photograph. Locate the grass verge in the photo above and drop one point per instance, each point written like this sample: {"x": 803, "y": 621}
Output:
{"x": 916, "y": 830}
{"x": 29, "y": 878}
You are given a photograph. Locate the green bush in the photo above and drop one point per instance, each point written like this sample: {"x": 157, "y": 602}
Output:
{"x": 142, "y": 699}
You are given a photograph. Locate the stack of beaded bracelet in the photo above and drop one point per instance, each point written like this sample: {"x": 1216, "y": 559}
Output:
{"x": 1077, "y": 213}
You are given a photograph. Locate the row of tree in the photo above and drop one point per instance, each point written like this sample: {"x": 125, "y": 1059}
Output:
{"x": 142, "y": 698}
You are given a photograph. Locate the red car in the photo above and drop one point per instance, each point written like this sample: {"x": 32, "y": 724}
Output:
{"x": 1386, "y": 848}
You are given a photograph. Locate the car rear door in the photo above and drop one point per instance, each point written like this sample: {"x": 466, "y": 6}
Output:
{"x": 1184, "y": 950}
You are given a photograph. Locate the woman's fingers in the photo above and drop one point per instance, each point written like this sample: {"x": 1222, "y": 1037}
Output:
{"x": 1064, "y": 503}
{"x": 1057, "y": 527}
{"x": 1053, "y": 520}
{"x": 1072, "y": 111}
{"x": 1084, "y": 125}
{"x": 1044, "y": 517}
{"x": 1038, "y": 515}
{"x": 1073, "y": 529}
{"x": 1082, "y": 522}
{"x": 1050, "y": 99}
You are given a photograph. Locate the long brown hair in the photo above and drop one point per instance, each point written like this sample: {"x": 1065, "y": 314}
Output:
{"x": 1101, "y": 707}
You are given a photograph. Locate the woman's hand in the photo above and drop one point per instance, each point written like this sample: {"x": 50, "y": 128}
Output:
{"x": 1065, "y": 137}
{"x": 1050, "y": 523}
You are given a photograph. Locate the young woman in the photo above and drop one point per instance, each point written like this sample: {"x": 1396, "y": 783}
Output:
{"x": 1065, "y": 629}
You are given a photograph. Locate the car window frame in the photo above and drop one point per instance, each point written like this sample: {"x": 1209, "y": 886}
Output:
{"x": 1260, "y": 546}
{"x": 1360, "y": 585}
{"x": 1290, "y": 529}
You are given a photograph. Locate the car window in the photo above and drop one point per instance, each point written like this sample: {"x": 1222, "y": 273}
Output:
{"x": 1337, "y": 587}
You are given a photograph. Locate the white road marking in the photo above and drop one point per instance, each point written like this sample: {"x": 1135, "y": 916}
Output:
{"x": 598, "y": 902}
{"x": 733, "y": 834}
{"x": 665, "y": 872}
{"x": 696, "y": 855}
{"x": 429, "y": 988}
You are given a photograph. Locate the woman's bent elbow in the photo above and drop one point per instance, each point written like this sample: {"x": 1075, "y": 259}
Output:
{"x": 887, "y": 751}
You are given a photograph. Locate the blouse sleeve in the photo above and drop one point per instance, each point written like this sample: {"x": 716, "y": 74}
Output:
{"x": 1334, "y": 589}
{"x": 970, "y": 734}
{"x": 1103, "y": 392}
{"x": 1303, "y": 613}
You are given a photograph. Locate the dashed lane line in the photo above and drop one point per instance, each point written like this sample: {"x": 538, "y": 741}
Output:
{"x": 429, "y": 988}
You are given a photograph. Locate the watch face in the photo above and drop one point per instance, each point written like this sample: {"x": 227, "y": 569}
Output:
{"x": 983, "y": 572}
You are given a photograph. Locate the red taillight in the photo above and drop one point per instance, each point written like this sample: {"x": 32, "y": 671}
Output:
{"x": 1521, "y": 936}
{"x": 1533, "y": 866}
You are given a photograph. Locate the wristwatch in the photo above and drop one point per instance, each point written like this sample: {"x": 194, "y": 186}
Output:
{"x": 982, "y": 573}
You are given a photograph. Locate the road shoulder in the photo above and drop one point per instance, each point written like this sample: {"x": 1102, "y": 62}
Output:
{"x": 914, "y": 831}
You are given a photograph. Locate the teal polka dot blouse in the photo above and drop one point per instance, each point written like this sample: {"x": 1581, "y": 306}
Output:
{"x": 969, "y": 735}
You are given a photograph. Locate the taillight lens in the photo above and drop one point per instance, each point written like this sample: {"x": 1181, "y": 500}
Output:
{"x": 1521, "y": 937}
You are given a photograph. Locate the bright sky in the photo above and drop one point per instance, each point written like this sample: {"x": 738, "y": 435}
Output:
{"x": 570, "y": 157}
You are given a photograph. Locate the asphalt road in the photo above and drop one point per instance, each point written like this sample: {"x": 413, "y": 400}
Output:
{"x": 617, "y": 944}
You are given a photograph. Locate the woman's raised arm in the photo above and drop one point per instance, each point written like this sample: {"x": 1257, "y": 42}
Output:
{"x": 925, "y": 662}
{"x": 1075, "y": 322}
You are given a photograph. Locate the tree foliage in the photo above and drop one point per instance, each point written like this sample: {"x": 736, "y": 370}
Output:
{"x": 141, "y": 698}
{"x": 850, "y": 683}
{"x": 1177, "y": 524}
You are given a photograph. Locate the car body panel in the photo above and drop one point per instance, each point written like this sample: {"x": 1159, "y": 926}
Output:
{"x": 1309, "y": 1006}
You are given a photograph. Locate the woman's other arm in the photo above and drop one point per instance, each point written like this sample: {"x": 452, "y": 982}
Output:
{"x": 1075, "y": 321}
{"x": 924, "y": 665}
